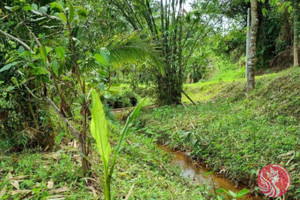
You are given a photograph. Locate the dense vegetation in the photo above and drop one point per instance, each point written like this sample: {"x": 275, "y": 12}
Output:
{"x": 234, "y": 134}
{"x": 74, "y": 76}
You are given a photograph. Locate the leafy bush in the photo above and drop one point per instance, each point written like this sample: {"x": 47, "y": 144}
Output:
{"x": 120, "y": 100}
{"x": 18, "y": 127}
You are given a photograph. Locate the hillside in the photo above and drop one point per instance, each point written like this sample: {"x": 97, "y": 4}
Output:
{"x": 234, "y": 133}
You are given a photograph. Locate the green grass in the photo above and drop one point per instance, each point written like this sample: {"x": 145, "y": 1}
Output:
{"x": 231, "y": 132}
{"x": 141, "y": 165}
{"x": 226, "y": 70}
{"x": 236, "y": 133}
{"x": 33, "y": 171}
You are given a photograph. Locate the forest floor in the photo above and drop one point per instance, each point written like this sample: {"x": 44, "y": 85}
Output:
{"x": 234, "y": 133}
{"x": 142, "y": 168}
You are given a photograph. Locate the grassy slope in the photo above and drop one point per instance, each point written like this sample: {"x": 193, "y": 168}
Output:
{"x": 141, "y": 164}
{"x": 235, "y": 133}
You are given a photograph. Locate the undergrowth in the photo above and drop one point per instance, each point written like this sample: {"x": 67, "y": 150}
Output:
{"x": 142, "y": 168}
{"x": 234, "y": 133}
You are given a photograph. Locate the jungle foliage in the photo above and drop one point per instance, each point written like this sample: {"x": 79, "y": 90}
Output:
{"x": 68, "y": 69}
{"x": 234, "y": 134}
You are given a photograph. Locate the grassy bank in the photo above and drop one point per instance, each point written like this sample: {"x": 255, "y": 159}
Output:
{"x": 234, "y": 133}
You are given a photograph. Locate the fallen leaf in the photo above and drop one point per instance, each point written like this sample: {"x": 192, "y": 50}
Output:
{"x": 75, "y": 145}
{"x": 3, "y": 191}
{"x": 50, "y": 184}
{"x": 93, "y": 190}
{"x": 9, "y": 176}
{"x": 19, "y": 178}
{"x": 130, "y": 191}
{"x": 56, "y": 197}
{"x": 60, "y": 190}
{"x": 20, "y": 192}
{"x": 15, "y": 184}
{"x": 46, "y": 148}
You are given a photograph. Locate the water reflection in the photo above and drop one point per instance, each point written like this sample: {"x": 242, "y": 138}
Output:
{"x": 200, "y": 175}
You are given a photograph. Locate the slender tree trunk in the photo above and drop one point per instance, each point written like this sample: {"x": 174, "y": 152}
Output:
{"x": 252, "y": 49}
{"x": 296, "y": 32}
{"x": 36, "y": 122}
{"x": 76, "y": 72}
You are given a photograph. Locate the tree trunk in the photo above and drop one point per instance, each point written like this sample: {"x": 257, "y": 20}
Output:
{"x": 252, "y": 49}
{"x": 296, "y": 10}
{"x": 168, "y": 91}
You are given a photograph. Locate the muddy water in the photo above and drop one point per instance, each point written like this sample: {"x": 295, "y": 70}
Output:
{"x": 198, "y": 174}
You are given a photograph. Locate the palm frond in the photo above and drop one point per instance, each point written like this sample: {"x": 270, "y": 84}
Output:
{"x": 131, "y": 49}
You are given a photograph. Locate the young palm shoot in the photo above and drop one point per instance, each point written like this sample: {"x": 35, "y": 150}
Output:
{"x": 100, "y": 133}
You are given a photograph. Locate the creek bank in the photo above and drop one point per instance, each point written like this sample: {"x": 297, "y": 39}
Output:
{"x": 200, "y": 173}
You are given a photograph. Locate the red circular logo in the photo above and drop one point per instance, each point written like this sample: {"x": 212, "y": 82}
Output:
{"x": 274, "y": 180}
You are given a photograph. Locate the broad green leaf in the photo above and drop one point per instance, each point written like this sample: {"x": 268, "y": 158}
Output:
{"x": 60, "y": 53}
{"x": 264, "y": 11}
{"x": 55, "y": 67}
{"x": 43, "y": 9}
{"x": 15, "y": 81}
{"x": 99, "y": 129}
{"x": 71, "y": 12}
{"x": 242, "y": 192}
{"x": 48, "y": 50}
{"x": 34, "y": 6}
{"x": 100, "y": 59}
{"x": 21, "y": 49}
{"x": 27, "y": 8}
{"x": 8, "y": 66}
{"x": 66, "y": 78}
{"x": 101, "y": 86}
{"x": 104, "y": 57}
{"x": 82, "y": 12}
{"x": 232, "y": 193}
{"x": 43, "y": 53}
{"x": 106, "y": 54}
{"x": 12, "y": 8}
{"x": 221, "y": 190}
{"x": 103, "y": 73}
{"x": 39, "y": 70}
{"x": 10, "y": 88}
{"x": 57, "y": 6}
{"x": 63, "y": 17}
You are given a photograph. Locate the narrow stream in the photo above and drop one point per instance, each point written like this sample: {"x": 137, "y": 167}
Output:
{"x": 195, "y": 172}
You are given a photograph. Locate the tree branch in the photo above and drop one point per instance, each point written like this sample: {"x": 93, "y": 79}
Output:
{"x": 74, "y": 132}
{"x": 17, "y": 40}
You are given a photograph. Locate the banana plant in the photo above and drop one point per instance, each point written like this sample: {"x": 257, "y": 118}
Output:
{"x": 100, "y": 133}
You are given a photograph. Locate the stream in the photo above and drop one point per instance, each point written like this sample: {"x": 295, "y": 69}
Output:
{"x": 198, "y": 174}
